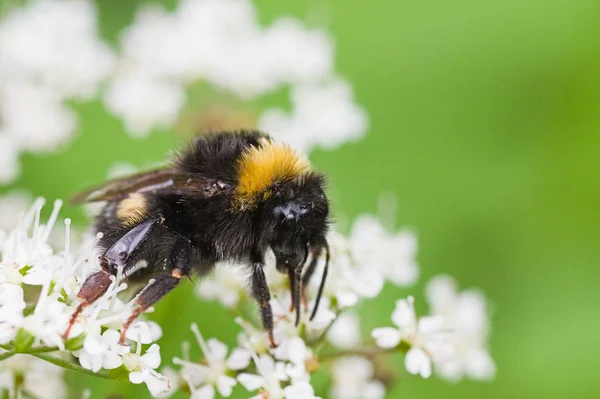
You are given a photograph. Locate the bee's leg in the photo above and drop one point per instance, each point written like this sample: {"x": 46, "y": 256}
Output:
{"x": 116, "y": 256}
{"x": 292, "y": 278}
{"x": 179, "y": 262}
{"x": 322, "y": 284}
{"x": 93, "y": 288}
{"x": 309, "y": 271}
{"x": 296, "y": 284}
{"x": 260, "y": 292}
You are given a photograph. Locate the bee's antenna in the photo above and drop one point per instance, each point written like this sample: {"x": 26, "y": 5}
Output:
{"x": 322, "y": 285}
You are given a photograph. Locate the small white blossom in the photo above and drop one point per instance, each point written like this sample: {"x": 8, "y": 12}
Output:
{"x": 353, "y": 379}
{"x": 49, "y": 53}
{"x": 40, "y": 379}
{"x": 202, "y": 379}
{"x": 425, "y": 335}
{"x": 13, "y": 204}
{"x": 300, "y": 390}
{"x": 144, "y": 102}
{"x": 345, "y": 331}
{"x": 12, "y": 305}
{"x": 142, "y": 370}
{"x": 464, "y": 314}
{"x": 393, "y": 255}
{"x": 226, "y": 284}
{"x": 55, "y": 43}
{"x": 53, "y": 125}
{"x": 29, "y": 259}
{"x": 322, "y": 115}
{"x": 144, "y": 332}
{"x": 269, "y": 377}
{"x": 9, "y": 159}
{"x": 49, "y": 320}
{"x": 103, "y": 351}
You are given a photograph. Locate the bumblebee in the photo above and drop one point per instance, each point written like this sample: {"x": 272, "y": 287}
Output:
{"x": 226, "y": 196}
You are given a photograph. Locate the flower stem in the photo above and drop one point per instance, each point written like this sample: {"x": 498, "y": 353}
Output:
{"x": 7, "y": 355}
{"x": 30, "y": 351}
{"x": 70, "y": 366}
{"x": 403, "y": 347}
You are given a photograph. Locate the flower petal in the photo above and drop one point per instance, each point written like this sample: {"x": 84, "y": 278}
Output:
{"x": 218, "y": 350}
{"x": 404, "y": 316}
{"x": 250, "y": 381}
{"x": 204, "y": 392}
{"x": 151, "y": 358}
{"x": 300, "y": 390}
{"x": 386, "y": 337}
{"x": 479, "y": 365}
{"x": 136, "y": 377}
{"x": 157, "y": 384}
{"x": 417, "y": 362}
{"x": 239, "y": 359}
{"x": 225, "y": 385}
{"x": 112, "y": 361}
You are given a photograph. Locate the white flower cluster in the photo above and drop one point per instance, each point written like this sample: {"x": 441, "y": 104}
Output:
{"x": 454, "y": 338}
{"x": 49, "y": 54}
{"x": 38, "y": 379}
{"x": 222, "y": 43}
{"x": 30, "y": 265}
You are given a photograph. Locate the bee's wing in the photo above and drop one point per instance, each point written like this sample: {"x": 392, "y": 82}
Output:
{"x": 164, "y": 180}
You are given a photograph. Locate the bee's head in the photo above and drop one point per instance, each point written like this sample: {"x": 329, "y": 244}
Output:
{"x": 298, "y": 212}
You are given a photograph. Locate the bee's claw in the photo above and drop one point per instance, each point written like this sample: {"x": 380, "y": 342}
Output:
{"x": 272, "y": 340}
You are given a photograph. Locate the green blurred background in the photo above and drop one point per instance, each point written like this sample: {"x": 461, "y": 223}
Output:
{"x": 485, "y": 123}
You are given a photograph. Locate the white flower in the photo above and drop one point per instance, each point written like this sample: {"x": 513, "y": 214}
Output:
{"x": 298, "y": 54}
{"x": 346, "y": 281}
{"x": 144, "y": 332}
{"x": 345, "y": 331}
{"x": 290, "y": 347}
{"x": 226, "y": 284}
{"x": 202, "y": 379}
{"x": 101, "y": 351}
{"x": 322, "y": 115}
{"x": 53, "y": 125}
{"x": 464, "y": 315}
{"x": 206, "y": 39}
{"x": 425, "y": 336}
{"x": 40, "y": 379}
{"x": 144, "y": 102}
{"x": 29, "y": 259}
{"x": 269, "y": 377}
{"x": 141, "y": 369}
{"x": 353, "y": 379}
{"x": 56, "y": 44}
{"x": 12, "y": 305}
{"x": 49, "y": 53}
{"x": 9, "y": 159}
{"x": 13, "y": 204}
{"x": 393, "y": 255}
{"x": 300, "y": 390}
{"x": 49, "y": 320}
